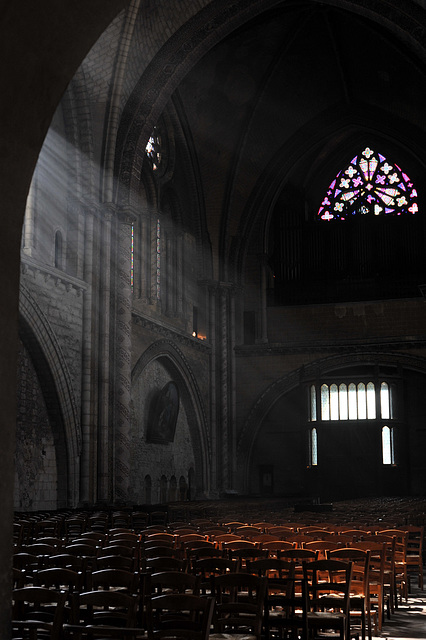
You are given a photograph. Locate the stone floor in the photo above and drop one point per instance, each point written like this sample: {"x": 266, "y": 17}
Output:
{"x": 409, "y": 620}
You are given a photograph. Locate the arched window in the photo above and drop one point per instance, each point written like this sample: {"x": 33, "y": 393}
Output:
{"x": 369, "y": 185}
{"x": 313, "y": 447}
{"x": 153, "y": 149}
{"x": 387, "y": 445}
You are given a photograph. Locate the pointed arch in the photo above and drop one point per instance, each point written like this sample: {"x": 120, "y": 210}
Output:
{"x": 290, "y": 381}
{"x": 39, "y": 337}
{"x": 175, "y": 363}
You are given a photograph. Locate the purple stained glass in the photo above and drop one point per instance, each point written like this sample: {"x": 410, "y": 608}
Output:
{"x": 368, "y": 181}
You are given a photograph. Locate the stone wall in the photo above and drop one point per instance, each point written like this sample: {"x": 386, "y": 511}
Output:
{"x": 36, "y": 464}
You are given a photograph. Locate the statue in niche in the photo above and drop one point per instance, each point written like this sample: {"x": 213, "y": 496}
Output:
{"x": 163, "y": 415}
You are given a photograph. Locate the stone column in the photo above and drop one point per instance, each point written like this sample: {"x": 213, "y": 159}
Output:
{"x": 222, "y": 337}
{"x": 180, "y": 276}
{"x": 262, "y": 330}
{"x": 89, "y": 360}
{"x": 170, "y": 273}
{"x": 123, "y": 324}
{"x": 104, "y": 469}
{"x": 215, "y": 469}
{"x": 28, "y": 229}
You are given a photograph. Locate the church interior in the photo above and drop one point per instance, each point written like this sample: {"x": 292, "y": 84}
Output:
{"x": 213, "y": 254}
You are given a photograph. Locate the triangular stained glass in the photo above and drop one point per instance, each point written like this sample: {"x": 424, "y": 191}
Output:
{"x": 369, "y": 185}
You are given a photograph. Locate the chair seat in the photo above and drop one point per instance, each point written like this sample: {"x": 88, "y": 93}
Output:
{"x": 319, "y": 615}
{"x": 232, "y": 636}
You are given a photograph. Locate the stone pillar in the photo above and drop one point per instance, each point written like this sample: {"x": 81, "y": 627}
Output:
{"x": 28, "y": 228}
{"x": 222, "y": 337}
{"x": 170, "y": 274}
{"x": 123, "y": 324}
{"x": 223, "y": 353}
{"x": 103, "y": 439}
{"x": 180, "y": 279}
{"x": 215, "y": 469}
{"x": 89, "y": 359}
{"x": 262, "y": 331}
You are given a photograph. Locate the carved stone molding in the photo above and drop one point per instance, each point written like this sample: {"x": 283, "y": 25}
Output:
{"x": 31, "y": 268}
{"x": 170, "y": 333}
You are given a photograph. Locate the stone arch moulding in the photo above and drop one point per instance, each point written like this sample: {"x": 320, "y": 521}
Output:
{"x": 281, "y": 386}
{"x": 257, "y": 215}
{"x": 195, "y": 38}
{"x": 38, "y": 325}
{"x": 180, "y": 371}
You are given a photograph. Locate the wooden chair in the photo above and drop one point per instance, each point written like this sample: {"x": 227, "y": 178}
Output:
{"x": 115, "y": 549}
{"x": 274, "y": 547}
{"x": 37, "y": 613}
{"x": 115, "y": 562}
{"x": 328, "y": 590}
{"x": 61, "y": 579}
{"x": 167, "y": 582}
{"x": 158, "y": 518}
{"x": 115, "y": 578}
{"x": 109, "y": 611}
{"x": 244, "y": 555}
{"x": 359, "y": 597}
{"x": 205, "y": 568}
{"x": 165, "y": 563}
{"x": 415, "y": 553}
{"x": 400, "y": 563}
{"x": 285, "y": 608}
{"x": 321, "y": 547}
{"x": 179, "y": 617}
{"x": 375, "y": 579}
{"x": 240, "y": 601}
{"x": 388, "y": 570}
{"x": 139, "y": 520}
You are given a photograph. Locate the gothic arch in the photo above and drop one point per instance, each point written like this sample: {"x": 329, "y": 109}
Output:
{"x": 175, "y": 363}
{"x": 195, "y": 38}
{"x": 40, "y": 338}
{"x": 351, "y": 132}
{"x": 283, "y": 385}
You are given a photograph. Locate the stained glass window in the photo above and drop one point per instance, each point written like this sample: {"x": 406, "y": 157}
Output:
{"x": 158, "y": 260}
{"x": 153, "y": 149}
{"x": 369, "y": 185}
{"x": 132, "y": 257}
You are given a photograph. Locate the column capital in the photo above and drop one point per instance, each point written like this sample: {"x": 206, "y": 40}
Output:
{"x": 217, "y": 286}
{"x": 127, "y": 214}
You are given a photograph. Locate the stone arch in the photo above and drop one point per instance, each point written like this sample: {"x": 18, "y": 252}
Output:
{"x": 175, "y": 363}
{"x": 283, "y": 385}
{"x": 148, "y": 489}
{"x": 163, "y": 489}
{"x": 39, "y": 337}
{"x": 254, "y": 225}
{"x": 195, "y": 38}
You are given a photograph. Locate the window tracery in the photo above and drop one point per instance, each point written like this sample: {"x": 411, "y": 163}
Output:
{"x": 369, "y": 185}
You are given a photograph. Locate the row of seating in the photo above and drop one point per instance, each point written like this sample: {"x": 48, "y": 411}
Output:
{"x": 179, "y": 606}
{"x": 234, "y": 547}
